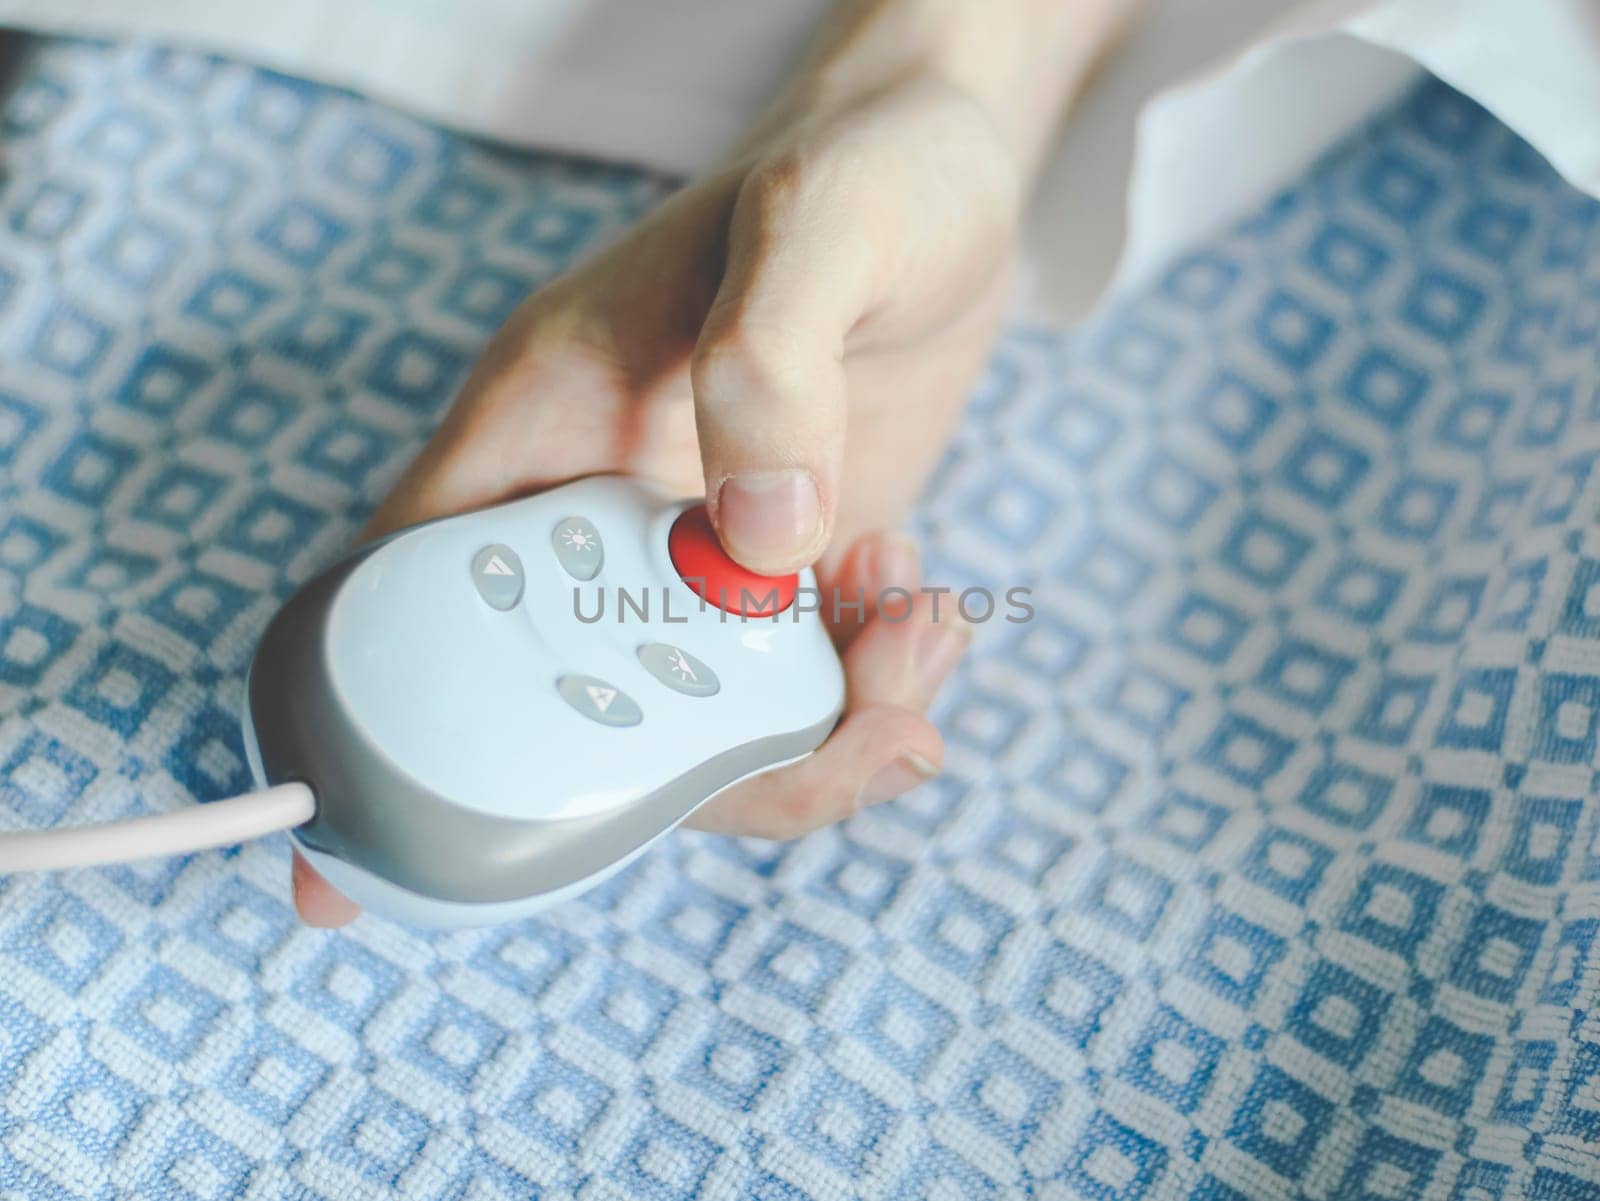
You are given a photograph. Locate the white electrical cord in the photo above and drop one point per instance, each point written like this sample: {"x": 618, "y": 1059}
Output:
{"x": 192, "y": 828}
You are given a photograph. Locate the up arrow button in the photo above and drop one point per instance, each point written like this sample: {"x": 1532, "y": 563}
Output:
{"x": 497, "y": 573}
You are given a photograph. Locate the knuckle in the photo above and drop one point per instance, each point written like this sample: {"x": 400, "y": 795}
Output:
{"x": 797, "y": 814}
{"x": 718, "y": 369}
{"x": 744, "y": 359}
{"x": 794, "y": 185}
{"x": 777, "y": 182}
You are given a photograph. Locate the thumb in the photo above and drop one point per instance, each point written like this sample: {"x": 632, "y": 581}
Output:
{"x": 768, "y": 371}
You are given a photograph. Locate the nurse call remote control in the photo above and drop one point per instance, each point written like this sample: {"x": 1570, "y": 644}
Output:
{"x": 501, "y": 709}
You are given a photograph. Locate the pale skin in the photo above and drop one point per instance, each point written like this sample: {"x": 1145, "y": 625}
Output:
{"x": 793, "y": 335}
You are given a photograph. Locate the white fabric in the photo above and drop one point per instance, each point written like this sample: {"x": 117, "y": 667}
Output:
{"x": 1208, "y": 107}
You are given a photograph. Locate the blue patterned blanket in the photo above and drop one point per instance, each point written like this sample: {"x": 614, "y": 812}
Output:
{"x": 1267, "y": 863}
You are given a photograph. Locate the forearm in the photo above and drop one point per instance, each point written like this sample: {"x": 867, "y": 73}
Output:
{"x": 1020, "y": 60}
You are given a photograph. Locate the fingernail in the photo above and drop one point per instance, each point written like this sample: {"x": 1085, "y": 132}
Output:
{"x": 939, "y": 650}
{"x": 769, "y": 518}
{"x": 898, "y": 564}
{"x": 895, "y": 779}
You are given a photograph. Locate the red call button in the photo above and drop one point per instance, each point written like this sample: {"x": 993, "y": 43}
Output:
{"x": 717, "y": 579}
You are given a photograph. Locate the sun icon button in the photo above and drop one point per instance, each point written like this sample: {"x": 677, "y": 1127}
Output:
{"x": 578, "y": 547}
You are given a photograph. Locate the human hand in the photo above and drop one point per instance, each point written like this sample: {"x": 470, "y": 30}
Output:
{"x": 794, "y": 335}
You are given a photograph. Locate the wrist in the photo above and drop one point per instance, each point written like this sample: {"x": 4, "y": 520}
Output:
{"x": 1019, "y": 61}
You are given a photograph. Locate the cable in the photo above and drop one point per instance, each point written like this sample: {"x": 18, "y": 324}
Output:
{"x": 192, "y": 828}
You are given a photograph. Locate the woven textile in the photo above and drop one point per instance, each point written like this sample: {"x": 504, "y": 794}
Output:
{"x": 1266, "y": 863}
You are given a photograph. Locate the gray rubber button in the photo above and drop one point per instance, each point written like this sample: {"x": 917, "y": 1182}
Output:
{"x": 599, "y": 701}
{"x": 578, "y": 547}
{"x": 497, "y": 572}
{"x": 678, "y": 669}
